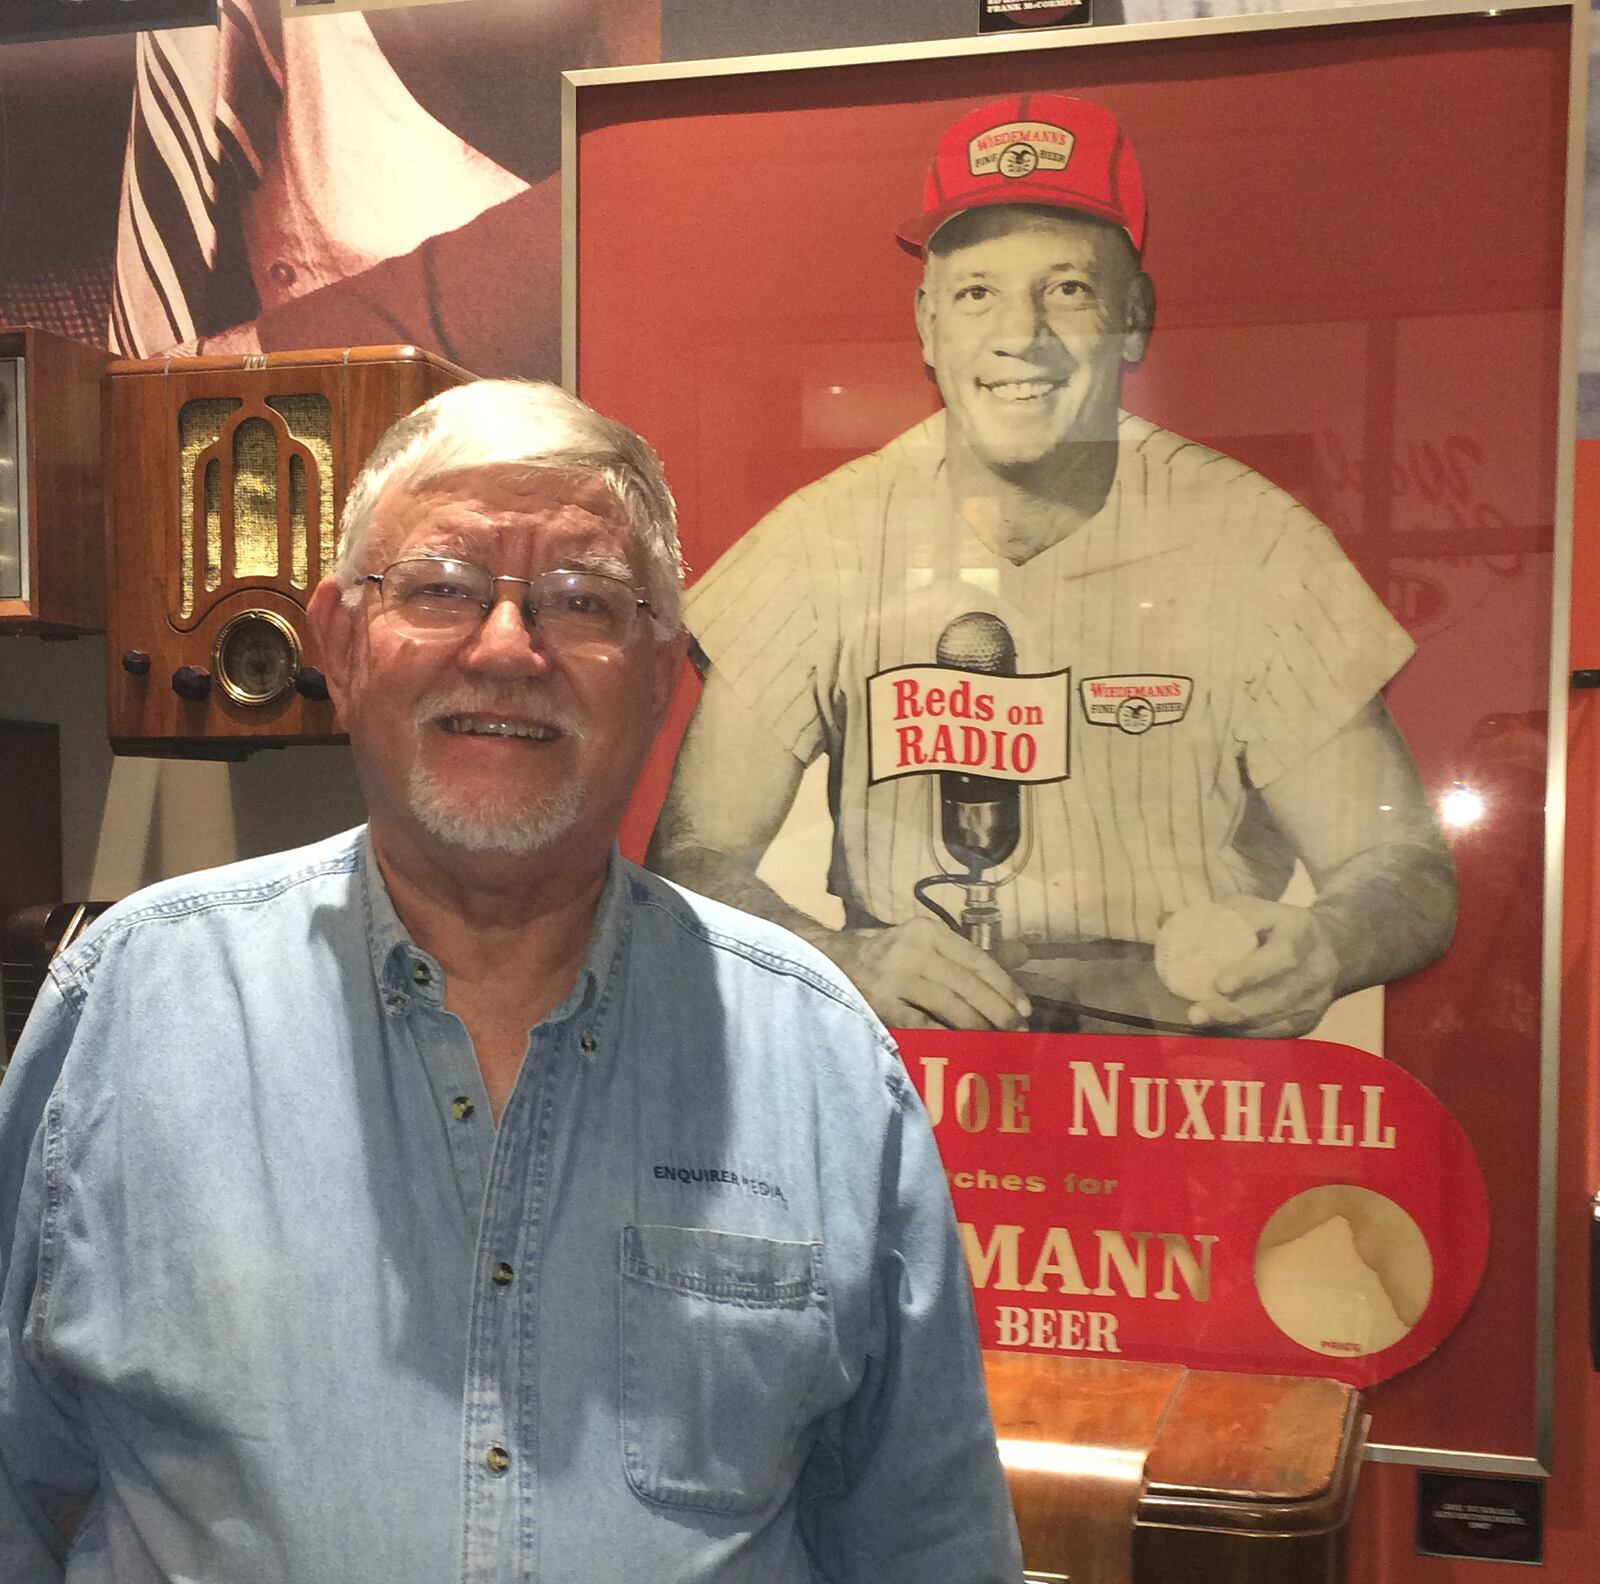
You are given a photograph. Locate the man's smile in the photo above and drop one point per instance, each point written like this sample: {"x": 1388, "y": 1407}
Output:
{"x": 1021, "y": 390}
{"x": 481, "y": 726}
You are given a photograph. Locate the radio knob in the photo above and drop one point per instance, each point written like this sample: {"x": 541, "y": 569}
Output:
{"x": 311, "y": 683}
{"x": 136, "y": 662}
{"x": 191, "y": 683}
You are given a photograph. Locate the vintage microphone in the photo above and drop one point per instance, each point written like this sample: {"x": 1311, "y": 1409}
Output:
{"x": 980, "y": 817}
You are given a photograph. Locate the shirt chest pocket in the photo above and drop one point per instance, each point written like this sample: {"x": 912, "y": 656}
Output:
{"x": 723, "y": 1339}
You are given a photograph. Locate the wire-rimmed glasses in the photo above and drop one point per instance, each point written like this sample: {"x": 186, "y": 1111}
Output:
{"x": 437, "y": 596}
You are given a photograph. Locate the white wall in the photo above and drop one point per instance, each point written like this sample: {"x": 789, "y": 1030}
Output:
{"x": 126, "y": 822}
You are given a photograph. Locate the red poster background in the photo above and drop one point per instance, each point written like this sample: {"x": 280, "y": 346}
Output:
{"x": 1356, "y": 239}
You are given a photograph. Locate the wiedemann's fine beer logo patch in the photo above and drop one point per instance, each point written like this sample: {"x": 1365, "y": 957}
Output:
{"x": 1018, "y": 149}
{"x": 1133, "y": 704}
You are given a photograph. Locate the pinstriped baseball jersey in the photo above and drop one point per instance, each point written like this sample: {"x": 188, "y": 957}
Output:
{"x": 1196, "y": 570}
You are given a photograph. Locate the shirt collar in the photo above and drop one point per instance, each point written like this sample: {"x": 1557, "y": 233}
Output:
{"x": 395, "y": 953}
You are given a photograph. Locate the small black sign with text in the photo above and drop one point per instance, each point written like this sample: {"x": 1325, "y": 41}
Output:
{"x": 49, "y": 19}
{"x": 1003, "y": 16}
{"x": 1489, "y": 1517}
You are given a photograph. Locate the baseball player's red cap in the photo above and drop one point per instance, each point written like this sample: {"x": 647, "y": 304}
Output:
{"x": 1046, "y": 149}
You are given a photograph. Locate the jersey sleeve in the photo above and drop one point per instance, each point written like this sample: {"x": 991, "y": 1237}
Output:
{"x": 754, "y": 616}
{"x": 1326, "y": 646}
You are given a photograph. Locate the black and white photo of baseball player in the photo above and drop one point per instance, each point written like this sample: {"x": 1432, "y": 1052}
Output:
{"x": 1217, "y": 659}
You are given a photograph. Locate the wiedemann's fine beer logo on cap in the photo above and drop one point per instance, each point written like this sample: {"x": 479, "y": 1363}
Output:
{"x": 1047, "y": 149}
{"x": 1020, "y": 148}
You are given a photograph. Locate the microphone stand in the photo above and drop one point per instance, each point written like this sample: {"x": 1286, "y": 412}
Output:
{"x": 980, "y": 917}
{"x": 980, "y": 912}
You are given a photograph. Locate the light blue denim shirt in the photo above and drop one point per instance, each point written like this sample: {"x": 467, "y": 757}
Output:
{"x": 283, "y": 1306}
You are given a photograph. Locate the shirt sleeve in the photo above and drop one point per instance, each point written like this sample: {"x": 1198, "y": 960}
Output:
{"x": 485, "y": 295}
{"x": 1327, "y": 646}
{"x": 754, "y": 616}
{"x": 47, "y": 1468}
{"x": 906, "y": 1485}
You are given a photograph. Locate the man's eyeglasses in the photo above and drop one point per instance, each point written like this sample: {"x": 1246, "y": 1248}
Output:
{"x": 437, "y": 596}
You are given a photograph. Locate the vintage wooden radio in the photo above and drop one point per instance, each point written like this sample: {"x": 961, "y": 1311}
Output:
{"x": 52, "y": 577}
{"x": 225, "y": 479}
{"x": 1156, "y": 1474}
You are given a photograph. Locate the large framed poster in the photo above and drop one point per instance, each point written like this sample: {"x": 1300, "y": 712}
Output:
{"x": 1125, "y": 479}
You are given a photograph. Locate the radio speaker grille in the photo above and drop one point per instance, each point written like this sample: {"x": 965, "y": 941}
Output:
{"x": 251, "y": 478}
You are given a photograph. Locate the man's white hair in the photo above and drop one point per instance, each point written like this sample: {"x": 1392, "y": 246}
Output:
{"x": 522, "y": 424}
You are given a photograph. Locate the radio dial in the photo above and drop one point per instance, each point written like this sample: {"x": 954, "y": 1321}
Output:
{"x": 256, "y": 658}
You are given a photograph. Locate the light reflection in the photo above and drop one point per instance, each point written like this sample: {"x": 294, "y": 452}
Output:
{"x": 1461, "y": 808}
{"x": 1069, "y": 1458}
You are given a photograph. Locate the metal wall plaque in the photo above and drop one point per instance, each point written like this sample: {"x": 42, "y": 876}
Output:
{"x": 1005, "y": 16}
{"x": 296, "y": 8}
{"x": 1491, "y": 1520}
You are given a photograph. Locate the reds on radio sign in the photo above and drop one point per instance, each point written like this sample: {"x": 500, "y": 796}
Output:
{"x": 926, "y": 720}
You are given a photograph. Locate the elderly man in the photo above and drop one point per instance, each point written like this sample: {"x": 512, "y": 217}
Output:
{"x": 1212, "y": 660}
{"x": 451, "y": 1199}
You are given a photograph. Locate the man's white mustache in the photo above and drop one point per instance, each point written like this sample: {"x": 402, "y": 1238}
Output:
{"x": 497, "y": 699}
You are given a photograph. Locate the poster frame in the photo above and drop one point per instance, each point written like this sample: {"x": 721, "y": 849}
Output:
{"x": 575, "y": 85}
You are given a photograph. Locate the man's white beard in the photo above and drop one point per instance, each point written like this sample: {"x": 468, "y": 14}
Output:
{"x": 505, "y": 825}
{"x": 508, "y": 823}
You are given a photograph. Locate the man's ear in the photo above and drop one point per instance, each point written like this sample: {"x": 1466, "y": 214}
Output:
{"x": 334, "y": 627}
{"x": 669, "y": 662}
{"x": 1139, "y": 318}
{"x": 925, "y": 324}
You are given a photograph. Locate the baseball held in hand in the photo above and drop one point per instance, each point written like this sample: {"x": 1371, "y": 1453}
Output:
{"x": 1196, "y": 943}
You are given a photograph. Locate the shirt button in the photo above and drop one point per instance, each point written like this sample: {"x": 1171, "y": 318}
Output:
{"x": 420, "y": 973}
{"x": 282, "y": 273}
{"x": 503, "y": 1274}
{"x": 461, "y": 1108}
{"x": 589, "y": 1042}
{"x": 498, "y": 1459}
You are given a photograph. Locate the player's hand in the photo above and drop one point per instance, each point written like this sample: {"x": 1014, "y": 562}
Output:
{"x": 1281, "y": 989}
{"x": 924, "y": 975}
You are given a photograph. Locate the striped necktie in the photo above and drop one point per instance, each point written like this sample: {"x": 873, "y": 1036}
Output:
{"x": 204, "y": 129}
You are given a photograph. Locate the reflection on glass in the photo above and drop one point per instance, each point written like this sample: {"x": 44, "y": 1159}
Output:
{"x": 13, "y": 545}
{"x": 1461, "y": 807}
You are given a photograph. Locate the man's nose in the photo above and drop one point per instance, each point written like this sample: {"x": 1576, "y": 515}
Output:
{"x": 1021, "y": 322}
{"x": 507, "y": 639}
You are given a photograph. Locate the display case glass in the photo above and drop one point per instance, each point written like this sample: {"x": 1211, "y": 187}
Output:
{"x": 1072, "y": 620}
{"x": 14, "y": 581}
